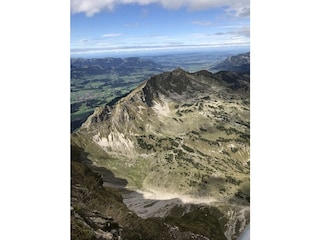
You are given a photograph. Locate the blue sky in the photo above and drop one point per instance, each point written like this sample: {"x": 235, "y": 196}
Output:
{"x": 143, "y": 26}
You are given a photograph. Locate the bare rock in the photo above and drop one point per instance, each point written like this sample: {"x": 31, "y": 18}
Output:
{"x": 101, "y": 235}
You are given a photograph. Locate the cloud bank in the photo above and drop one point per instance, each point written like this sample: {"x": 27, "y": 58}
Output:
{"x": 152, "y": 48}
{"x": 240, "y": 8}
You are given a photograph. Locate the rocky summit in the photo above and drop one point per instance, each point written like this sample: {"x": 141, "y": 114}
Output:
{"x": 178, "y": 135}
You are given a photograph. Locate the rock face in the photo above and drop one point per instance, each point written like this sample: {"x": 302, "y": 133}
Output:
{"x": 94, "y": 222}
{"x": 179, "y": 133}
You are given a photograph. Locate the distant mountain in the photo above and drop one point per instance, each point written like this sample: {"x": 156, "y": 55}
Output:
{"x": 238, "y": 63}
{"x": 82, "y": 67}
{"x": 181, "y": 135}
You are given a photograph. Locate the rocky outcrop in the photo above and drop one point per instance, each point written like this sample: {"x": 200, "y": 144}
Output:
{"x": 100, "y": 226}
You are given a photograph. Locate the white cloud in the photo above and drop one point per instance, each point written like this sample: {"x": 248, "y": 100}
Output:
{"x": 202, "y": 23}
{"x": 163, "y": 42}
{"x": 245, "y": 31}
{"x": 240, "y": 8}
{"x": 83, "y": 40}
{"x": 131, "y": 25}
{"x": 235, "y": 42}
{"x": 112, "y": 35}
{"x": 144, "y": 13}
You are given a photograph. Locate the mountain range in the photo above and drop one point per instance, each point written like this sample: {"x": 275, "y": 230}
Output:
{"x": 237, "y": 63}
{"x": 97, "y": 81}
{"x": 176, "y": 146}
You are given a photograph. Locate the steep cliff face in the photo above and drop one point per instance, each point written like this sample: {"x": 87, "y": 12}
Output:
{"x": 180, "y": 133}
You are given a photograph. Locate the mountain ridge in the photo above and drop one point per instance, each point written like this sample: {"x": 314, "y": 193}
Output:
{"x": 153, "y": 86}
{"x": 237, "y": 63}
{"x": 179, "y": 132}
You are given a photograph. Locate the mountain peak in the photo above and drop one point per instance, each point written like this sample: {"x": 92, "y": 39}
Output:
{"x": 179, "y": 133}
{"x": 175, "y": 86}
{"x": 177, "y": 70}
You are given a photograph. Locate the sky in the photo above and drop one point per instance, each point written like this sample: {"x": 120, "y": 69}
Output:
{"x": 144, "y": 26}
{"x": 284, "y": 98}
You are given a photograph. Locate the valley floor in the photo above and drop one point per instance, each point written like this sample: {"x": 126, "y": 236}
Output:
{"x": 147, "y": 204}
